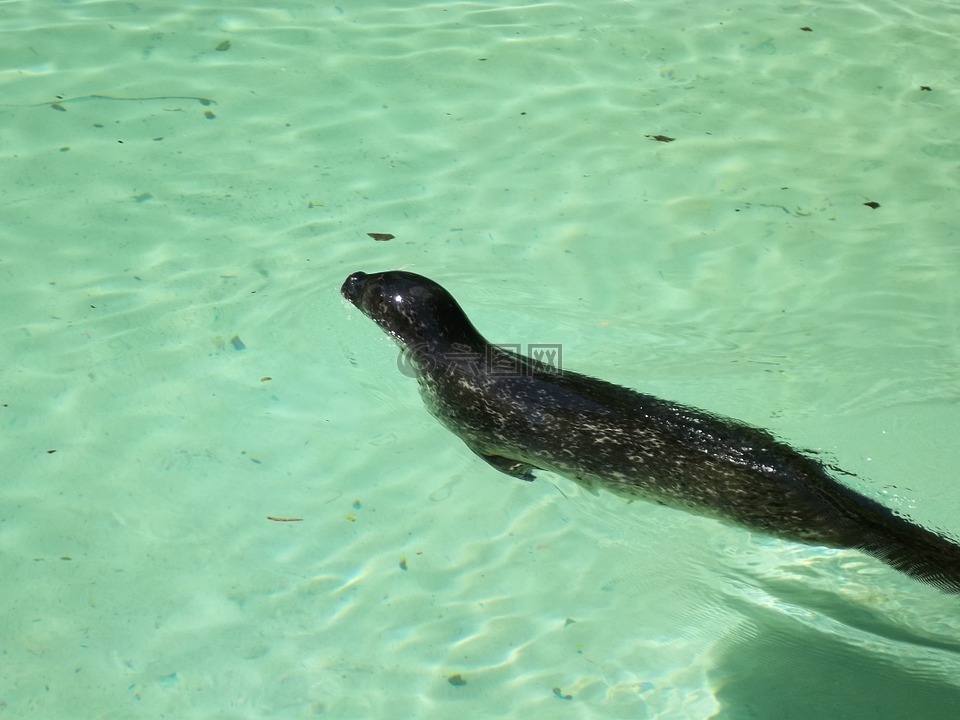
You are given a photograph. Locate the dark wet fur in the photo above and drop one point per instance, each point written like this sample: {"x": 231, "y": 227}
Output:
{"x": 603, "y": 435}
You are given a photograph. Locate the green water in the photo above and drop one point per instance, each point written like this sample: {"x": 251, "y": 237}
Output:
{"x": 184, "y": 187}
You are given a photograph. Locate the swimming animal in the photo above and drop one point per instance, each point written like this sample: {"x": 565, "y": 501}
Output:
{"x": 520, "y": 416}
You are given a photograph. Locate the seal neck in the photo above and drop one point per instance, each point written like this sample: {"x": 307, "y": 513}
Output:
{"x": 444, "y": 329}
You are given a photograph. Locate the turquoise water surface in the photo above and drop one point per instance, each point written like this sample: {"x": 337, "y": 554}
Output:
{"x": 220, "y": 498}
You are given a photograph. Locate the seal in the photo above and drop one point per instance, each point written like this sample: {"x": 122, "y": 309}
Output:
{"x": 520, "y": 416}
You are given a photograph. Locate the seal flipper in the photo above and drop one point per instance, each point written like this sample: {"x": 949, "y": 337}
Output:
{"x": 910, "y": 548}
{"x": 508, "y": 466}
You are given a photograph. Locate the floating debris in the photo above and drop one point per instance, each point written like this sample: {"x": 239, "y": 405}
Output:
{"x": 661, "y": 138}
{"x": 224, "y": 46}
{"x": 60, "y": 101}
{"x": 381, "y": 237}
{"x": 559, "y": 694}
{"x": 872, "y": 204}
{"x": 456, "y": 680}
{"x": 237, "y": 343}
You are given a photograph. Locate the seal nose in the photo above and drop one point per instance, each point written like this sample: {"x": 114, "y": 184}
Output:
{"x": 352, "y": 287}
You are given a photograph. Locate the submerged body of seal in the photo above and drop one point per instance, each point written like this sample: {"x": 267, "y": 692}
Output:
{"x": 519, "y": 416}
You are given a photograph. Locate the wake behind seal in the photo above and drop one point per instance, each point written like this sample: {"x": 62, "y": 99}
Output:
{"x": 602, "y": 435}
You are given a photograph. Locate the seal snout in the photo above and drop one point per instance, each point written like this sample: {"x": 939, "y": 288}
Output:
{"x": 352, "y": 288}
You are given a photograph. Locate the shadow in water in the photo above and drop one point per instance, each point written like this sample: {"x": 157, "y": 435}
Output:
{"x": 794, "y": 672}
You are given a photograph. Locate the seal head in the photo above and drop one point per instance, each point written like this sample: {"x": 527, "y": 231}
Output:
{"x": 412, "y": 309}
